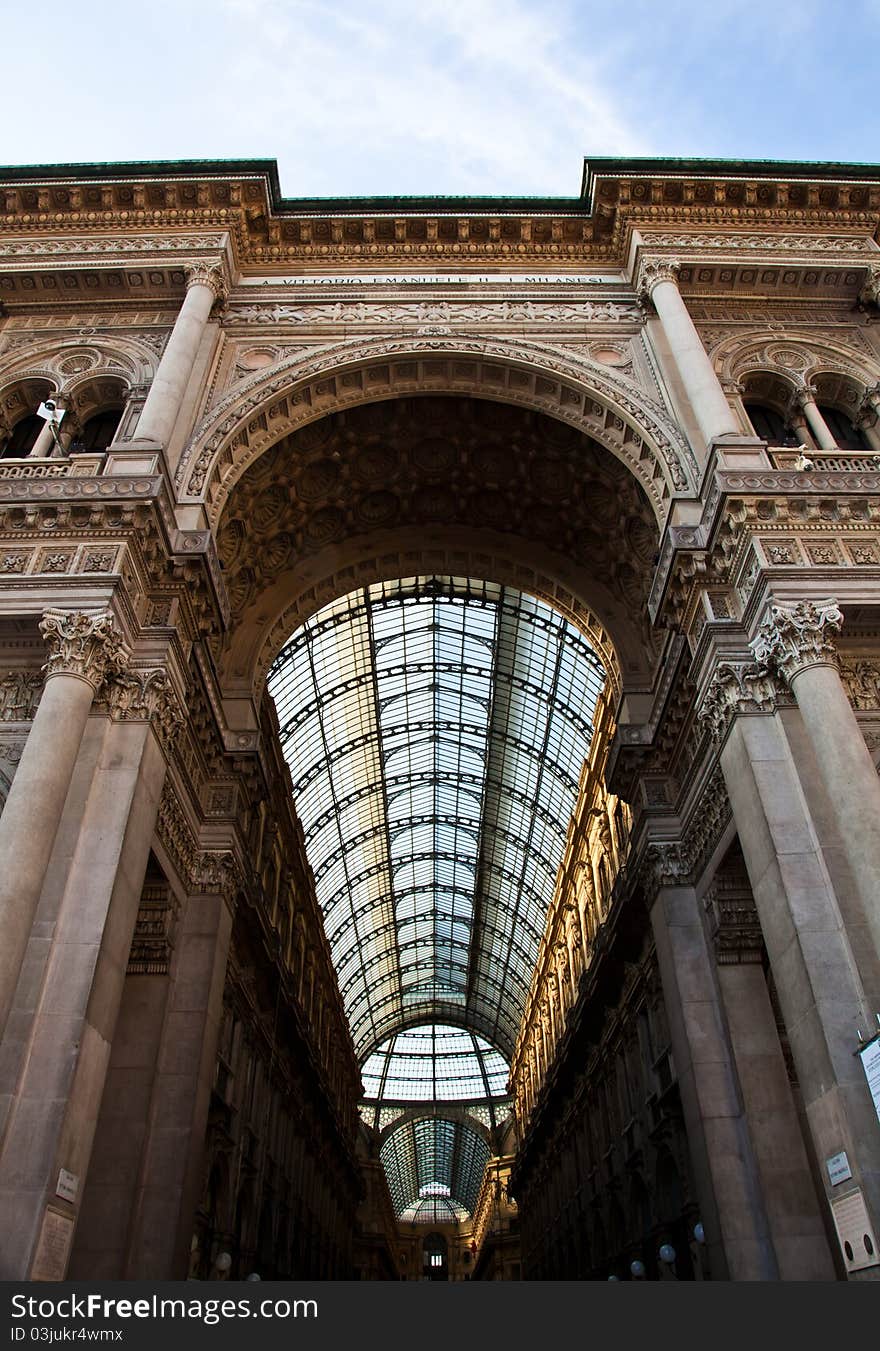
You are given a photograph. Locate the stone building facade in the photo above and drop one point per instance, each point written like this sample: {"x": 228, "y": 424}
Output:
{"x": 656, "y": 407}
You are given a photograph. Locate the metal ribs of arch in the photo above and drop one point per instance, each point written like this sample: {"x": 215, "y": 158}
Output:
{"x": 434, "y": 1169}
{"x": 435, "y": 729}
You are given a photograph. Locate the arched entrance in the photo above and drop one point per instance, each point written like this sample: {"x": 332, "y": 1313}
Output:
{"x": 446, "y": 484}
{"x": 431, "y": 486}
{"x": 430, "y": 502}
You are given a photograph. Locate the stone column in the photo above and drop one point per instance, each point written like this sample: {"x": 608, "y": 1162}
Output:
{"x": 797, "y": 643}
{"x": 83, "y": 650}
{"x": 44, "y": 445}
{"x": 725, "y": 1170}
{"x": 805, "y": 400}
{"x": 204, "y": 286}
{"x": 53, "y": 1116}
{"x": 799, "y": 425}
{"x": 788, "y": 1194}
{"x": 170, "y": 1180}
{"x": 658, "y": 282}
{"x": 814, "y": 967}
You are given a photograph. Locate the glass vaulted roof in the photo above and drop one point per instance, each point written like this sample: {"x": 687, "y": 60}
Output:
{"x": 435, "y": 729}
{"x": 434, "y": 1169}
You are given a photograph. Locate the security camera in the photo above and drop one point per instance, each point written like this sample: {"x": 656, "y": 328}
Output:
{"x": 50, "y": 412}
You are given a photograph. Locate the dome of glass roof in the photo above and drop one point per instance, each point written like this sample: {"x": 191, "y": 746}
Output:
{"x": 434, "y": 1063}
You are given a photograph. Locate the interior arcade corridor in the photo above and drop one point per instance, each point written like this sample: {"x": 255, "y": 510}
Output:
{"x": 440, "y": 645}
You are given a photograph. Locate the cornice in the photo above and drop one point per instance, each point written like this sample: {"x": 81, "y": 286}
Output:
{"x": 270, "y": 230}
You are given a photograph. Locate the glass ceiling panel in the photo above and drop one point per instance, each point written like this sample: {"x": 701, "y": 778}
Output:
{"x": 435, "y": 729}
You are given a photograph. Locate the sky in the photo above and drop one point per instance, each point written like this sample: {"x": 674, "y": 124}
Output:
{"x": 401, "y": 97}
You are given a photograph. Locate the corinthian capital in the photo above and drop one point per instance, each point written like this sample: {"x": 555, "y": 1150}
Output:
{"x": 83, "y": 645}
{"x": 736, "y": 687}
{"x": 654, "y": 270}
{"x": 146, "y": 696}
{"x": 799, "y": 636}
{"x": 207, "y": 274}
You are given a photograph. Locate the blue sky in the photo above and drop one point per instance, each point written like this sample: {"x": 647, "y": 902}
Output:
{"x": 439, "y": 96}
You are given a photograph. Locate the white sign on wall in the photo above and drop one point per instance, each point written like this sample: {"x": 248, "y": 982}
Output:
{"x": 870, "y": 1058}
{"x": 67, "y": 1185}
{"x": 838, "y": 1168}
{"x": 858, "y": 1242}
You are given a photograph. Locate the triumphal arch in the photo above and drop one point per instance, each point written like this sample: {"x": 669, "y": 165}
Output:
{"x": 439, "y": 714}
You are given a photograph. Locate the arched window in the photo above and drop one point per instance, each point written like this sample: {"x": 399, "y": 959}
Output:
{"x": 847, "y": 436}
{"x": 22, "y": 437}
{"x": 769, "y": 424}
{"x": 99, "y": 431}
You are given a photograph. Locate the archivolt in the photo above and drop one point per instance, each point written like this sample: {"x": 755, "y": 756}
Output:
{"x": 69, "y": 363}
{"x": 797, "y": 356}
{"x": 547, "y": 379}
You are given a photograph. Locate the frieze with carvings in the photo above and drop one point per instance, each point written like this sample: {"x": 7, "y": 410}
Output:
{"x": 11, "y": 748}
{"x": 737, "y": 687}
{"x": 680, "y": 862}
{"x": 817, "y": 243}
{"x": 437, "y": 312}
{"x": 734, "y": 926}
{"x": 105, "y": 244}
{"x": 146, "y": 696}
{"x": 153, "y": 940}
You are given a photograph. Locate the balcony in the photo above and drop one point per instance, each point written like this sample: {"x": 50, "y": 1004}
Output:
{"x": 825, "y": 461}
{"x": 72, "y": 466}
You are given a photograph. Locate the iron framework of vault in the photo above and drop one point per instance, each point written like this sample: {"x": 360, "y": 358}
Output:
{"x": 435, "y": 729}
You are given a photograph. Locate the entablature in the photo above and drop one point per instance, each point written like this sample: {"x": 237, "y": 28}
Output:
{"x": 618, "y": 197}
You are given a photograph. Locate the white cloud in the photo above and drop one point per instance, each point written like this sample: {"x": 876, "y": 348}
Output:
{"x": 459, "y": 97}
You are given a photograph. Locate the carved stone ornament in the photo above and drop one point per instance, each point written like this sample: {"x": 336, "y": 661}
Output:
{"x": 19, "y": 695}
{"x": 216, "y": 874}
{"x": 83, "y": 645}
{"x": 734, "y": 926}
{"x": 794, "y": 638}
{"x": 861, "y": 677}
{"x": 737, "y": 687}
{"x": 664, "y": 864}
{"x": 870, "y": 292}
{"x": 146, "y": 696}
{"x": 652, "y": 271}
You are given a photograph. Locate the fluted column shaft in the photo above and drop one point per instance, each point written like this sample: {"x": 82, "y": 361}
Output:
{"x": 83, "y": 649}
{"x": 156, "y": 423}
{"x": 714, "y": 415}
